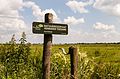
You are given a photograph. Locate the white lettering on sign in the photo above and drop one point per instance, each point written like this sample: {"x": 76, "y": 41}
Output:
{"x": 61, "y": 29}
{"x": 55, "y": 28}
{"x": 47, "y": 31}
{"x": 49, "y": 28}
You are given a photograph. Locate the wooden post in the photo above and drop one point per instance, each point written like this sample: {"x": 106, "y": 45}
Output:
{"x": 47, "y": 49}
{"x": 74, "y": 62}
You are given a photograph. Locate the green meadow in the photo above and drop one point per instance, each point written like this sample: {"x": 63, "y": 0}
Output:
{"x": 24, "y": 61}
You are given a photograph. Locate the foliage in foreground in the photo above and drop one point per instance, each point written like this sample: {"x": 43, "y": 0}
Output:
{"x": 18, "y": 61}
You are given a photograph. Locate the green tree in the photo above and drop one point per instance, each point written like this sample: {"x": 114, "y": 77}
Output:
{"x": 15, "y": 60}
{"x": 23, "y": 38}
{"x": 13, "y": 40}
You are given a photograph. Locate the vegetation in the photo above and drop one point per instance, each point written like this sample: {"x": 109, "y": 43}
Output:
{"x": 24, "y": 60}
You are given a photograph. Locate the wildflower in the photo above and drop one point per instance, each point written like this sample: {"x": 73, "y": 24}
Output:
{"x": 82, "y": 55}
{"x": 61, "y": 56}
{"x": 86, "y": 61}
{"x": 118, "y": 75}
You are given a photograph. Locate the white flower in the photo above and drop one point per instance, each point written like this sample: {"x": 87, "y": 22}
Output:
{"x": 82, "y": 55}
{"x": 118, "y": 75}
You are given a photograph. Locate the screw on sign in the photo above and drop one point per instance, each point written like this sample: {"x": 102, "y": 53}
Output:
{"x": 48, "y": 28}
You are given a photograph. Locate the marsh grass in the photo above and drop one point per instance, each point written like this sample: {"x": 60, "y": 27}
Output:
{"x": 24, "y": 61}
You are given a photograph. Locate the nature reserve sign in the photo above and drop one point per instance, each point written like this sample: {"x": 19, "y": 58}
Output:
{"x": 49, "y": 28}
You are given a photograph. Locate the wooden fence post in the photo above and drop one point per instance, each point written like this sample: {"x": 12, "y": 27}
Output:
{"x": 47, "y": 49}
{"x": 74, "y": 62}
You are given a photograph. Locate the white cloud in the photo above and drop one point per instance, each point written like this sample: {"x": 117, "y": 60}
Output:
{"x": 101, "y": 26}
{"x": 10, "y": 18}
{"x": 73, "y": 20}
{"x": 109, "y": 6}
{"x": 11, "y": 21}
{"x": 88, "y": 37}
{"x": 79, "y": 6}
{"x": 11, "y": 24}
{"x": 38, "y": 13}
{"x": 35, "y": 8}
{"x": 55, "y": 17}
{"x": 10, "y": 7}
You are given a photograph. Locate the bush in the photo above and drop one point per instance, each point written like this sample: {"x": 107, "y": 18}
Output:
{"x": 17, "y": 61}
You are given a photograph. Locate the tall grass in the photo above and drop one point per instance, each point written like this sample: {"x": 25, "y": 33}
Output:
{"x": 24, "y": 61}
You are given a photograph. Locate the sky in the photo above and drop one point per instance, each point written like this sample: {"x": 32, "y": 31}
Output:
{"x": 89, "y": 21}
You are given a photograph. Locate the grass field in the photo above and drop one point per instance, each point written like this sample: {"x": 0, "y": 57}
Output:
{"x": 96, "y": 61}
{"x": 101, "y": 52}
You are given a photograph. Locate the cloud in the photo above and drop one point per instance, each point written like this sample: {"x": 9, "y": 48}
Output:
{"x": 10, "y": 19}
{"x": 10, "y": 7}
{"x": 87, "y": 37}
{"x": 38, "y": 13}
{"x": 105, "y": 27}
{"x": 109, "y": 6}
{"x": 73, "y": 20}
{"x": 79, "y": 6}
{"x": 11, "y": 24}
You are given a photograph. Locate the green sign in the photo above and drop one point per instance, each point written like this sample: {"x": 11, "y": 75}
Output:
{"x": 49, "y": 28}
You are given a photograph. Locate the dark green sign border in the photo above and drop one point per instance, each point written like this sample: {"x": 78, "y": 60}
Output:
{"x": 49, "y": 28}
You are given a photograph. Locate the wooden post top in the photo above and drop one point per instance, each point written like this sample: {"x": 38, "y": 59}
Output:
{"x": 48, "y": 17}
